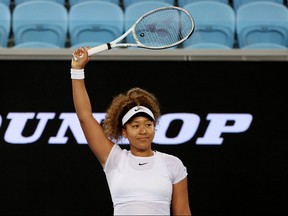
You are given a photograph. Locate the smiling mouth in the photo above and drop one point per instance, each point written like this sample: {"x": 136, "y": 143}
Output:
{"x": 143, "y": 138}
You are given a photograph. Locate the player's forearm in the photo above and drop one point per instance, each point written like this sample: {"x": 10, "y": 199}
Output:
{"x": 81, "y": 99}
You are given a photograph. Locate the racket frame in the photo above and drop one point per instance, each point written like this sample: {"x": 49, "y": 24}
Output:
{"x": 115, "y": 43}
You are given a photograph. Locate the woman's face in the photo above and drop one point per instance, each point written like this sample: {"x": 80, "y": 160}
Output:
{"x": 140, "y": 132}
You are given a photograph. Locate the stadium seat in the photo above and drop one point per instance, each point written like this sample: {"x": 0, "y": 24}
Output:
{"x": 267, "y": 46}
{"x": 16, "y": 2}
{"x": 5, "y": 24}
{"x": 208, "y": 46}
{"x": 97, "y": 21}
{"x": 36, "y": 44}
{"x": 73, "y": 2}
{"x": 237, "y": 3}
{"x": 42, "y": 21}
{"x": 262, "y": 22}
{"x": 127, "y": 3}
{"x": 136, "y": 10}
{"x": 6, "y": 2}
{"x": 86, "y": 44}
{"x": 182, "y": 3}
{"x": 214, "y": 23}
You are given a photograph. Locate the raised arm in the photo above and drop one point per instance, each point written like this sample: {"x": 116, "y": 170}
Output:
{"x": 97, "y": 140}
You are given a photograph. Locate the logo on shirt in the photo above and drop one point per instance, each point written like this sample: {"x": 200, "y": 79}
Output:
{"x": 141, "y": 164}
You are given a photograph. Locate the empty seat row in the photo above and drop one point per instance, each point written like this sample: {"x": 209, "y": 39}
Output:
{"x": 234, "y": 3}
{"x": 217, "y": 25}
{"x": 62, "y": 2}
{"x": 125, "y": 3}
{"x": 253, "y": 25}
{"x": 16, "y": 2}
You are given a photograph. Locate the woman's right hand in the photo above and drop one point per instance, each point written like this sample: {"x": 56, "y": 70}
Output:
{"x": 82, "y": 55}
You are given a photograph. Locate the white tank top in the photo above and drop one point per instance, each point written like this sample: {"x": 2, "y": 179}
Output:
{"x": 142, "y": 185}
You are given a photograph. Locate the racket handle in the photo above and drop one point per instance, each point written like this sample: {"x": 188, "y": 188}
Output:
{"x": 98, "y": 49}
{"x": 93, "y": 50}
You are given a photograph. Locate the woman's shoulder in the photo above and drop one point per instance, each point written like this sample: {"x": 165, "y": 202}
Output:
{"x": 119, "y": 149}
{"x": 174, "y": 166}
{"x": 115, "y": 157}
{"x": 168, "y": 157}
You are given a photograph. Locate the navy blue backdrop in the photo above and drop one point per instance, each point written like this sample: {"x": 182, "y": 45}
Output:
{"x": 243, "y": 175}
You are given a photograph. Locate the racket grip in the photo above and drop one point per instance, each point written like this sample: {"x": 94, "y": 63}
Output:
{"x": 98, "y": 49}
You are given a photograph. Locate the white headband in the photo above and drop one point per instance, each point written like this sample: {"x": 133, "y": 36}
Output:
{"x": 134, "y": 110}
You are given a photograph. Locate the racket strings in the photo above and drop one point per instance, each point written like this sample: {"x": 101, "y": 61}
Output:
{"x": 163, "y": 28}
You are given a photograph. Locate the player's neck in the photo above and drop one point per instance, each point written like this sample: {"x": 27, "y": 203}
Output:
{"x": 141, "y": 153}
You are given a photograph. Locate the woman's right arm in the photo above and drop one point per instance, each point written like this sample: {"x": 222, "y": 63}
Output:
{"x": 95, "y": 136}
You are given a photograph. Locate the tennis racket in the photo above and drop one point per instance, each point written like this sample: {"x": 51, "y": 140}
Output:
{"x": 160, "y": 28}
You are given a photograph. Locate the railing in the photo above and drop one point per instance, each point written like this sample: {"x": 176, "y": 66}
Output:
{"x": 149, "y": 55}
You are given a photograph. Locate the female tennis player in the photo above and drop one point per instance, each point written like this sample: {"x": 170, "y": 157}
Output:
{"x": 142, "y": 181}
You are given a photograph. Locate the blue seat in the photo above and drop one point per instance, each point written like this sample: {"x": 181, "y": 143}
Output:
{"x": 208, "y": 46}
{"x": 86, "y": 44}
{"x": 6, "y": 2}
{"x": 214, "y": 23}
{"x": 73, "y": 2}
{"x": 5, "y": 24}
{"x": 262, "y": 22}
{"x": 238, "y": 3}
{"x": 35, "y": 44}
{"x": 42, "y": 21}
{"x": 267, "y": 46}
{"x": 97, "y": 21}
{"x": 182, "y": 3}
{"x": 127, "y": 3}
{"x": 136, "y": 10}
{"x": 16, "y": 2}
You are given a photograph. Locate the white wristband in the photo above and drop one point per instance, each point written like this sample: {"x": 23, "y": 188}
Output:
{"x": 77, "y": 73}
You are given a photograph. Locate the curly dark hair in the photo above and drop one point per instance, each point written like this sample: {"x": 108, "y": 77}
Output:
{"x": 121, "y": 104}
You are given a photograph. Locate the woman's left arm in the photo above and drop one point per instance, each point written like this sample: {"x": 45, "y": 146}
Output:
{"x": 180, "y": 198}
